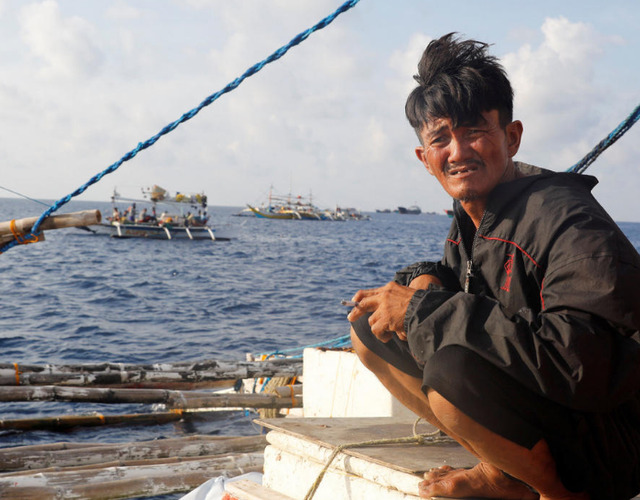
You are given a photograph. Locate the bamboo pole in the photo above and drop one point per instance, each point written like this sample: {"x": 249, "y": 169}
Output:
{"x": 201, "y": 365}
{"x": 180, "y": 366}
{"x": 131, "y": 480}
{"x": 59, "y": 455}
{"x": 241, "y": 401}
{"x": 106, "y": 374}
{"x": 23, "y": 226}
{"x": 173, "y": 399}
{"x": 290, "y": 390}
{"x": 69, "y": 421}
{"x": 210, "y": 403}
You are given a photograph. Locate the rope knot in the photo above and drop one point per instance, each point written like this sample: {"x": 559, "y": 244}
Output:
{"x": 23, "y": 239}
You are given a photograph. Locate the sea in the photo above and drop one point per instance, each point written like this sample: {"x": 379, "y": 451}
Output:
{"x": 276, "y": 285}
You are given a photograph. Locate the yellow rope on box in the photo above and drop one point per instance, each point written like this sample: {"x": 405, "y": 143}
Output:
{"x": 432, "y": 437}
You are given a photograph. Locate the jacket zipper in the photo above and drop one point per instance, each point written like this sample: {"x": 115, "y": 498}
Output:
{"x": 469, "y": 273}
{"x": 467, "y": 280}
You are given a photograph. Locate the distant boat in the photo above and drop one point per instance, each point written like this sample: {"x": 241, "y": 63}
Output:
{"x": 183, "y": 217}
{"x": 295, "y": 213}
{"x": 448, "y": 212}
{"x": 348, "y": 213}
{"x": 245, "y": 212}
{"x": 287, "y": 207}
{"x": 413, "y": 210}
{"x": 300, "y": 208}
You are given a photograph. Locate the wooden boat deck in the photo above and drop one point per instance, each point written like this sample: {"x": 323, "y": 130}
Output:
{"x": 300, "y": 447}
{"x": 410, "y": 458}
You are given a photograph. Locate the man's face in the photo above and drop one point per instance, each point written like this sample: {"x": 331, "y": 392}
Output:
{"x": 472, "y": 159}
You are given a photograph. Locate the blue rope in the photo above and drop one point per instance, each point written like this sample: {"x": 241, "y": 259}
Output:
{"x": 582, "y": 165}
{"x": 187, "y": 116}
{"x": 337, "y": 342}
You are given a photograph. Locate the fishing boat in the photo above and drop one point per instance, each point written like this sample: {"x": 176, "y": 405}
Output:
{"x": 348, "y": 213}
{"x": 300, "y": 208}
{"x": 298, "y": 450}
{"x": 295, "y": 213}
{"x": 158, "y": 215}
{"x": 448, "y": 212}
{"x": 289, "y": 207}
{"x": 413, "y": 209}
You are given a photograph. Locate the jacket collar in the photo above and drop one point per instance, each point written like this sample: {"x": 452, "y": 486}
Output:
{"x": 503, "y": 195}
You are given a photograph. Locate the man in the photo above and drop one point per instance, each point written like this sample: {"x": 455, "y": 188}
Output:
{"x": 523, "y": 343}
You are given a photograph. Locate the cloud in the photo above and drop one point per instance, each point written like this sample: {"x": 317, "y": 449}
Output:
{"x": 123, "y": 11}
{"x": 66, "y": 46}
{"x": 405, "y": 62}
{"x": 327, "y": 117}
{"x": 556, "y": 93}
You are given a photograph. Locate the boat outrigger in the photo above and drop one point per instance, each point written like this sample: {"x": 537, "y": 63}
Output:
{"x": 181, "y": 217}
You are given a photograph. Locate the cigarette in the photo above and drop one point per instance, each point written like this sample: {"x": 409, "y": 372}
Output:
{"x": 349, "y": 303}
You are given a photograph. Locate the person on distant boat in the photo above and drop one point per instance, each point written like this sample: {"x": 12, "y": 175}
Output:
{"x": 165, "y": 219}
{"x": 189, "y": 220}
{"x": 143, "y": 216}
{"x": 523, "y": 342}
{"x": 131, "y": 213}
{"x": 115, "y": 215}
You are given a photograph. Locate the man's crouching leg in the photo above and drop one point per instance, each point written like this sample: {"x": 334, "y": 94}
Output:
{"x": 406, "y": 388}
{"x": 533, "y": 467}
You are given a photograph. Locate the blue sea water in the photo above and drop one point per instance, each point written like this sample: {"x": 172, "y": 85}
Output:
{"x": 276, "y": 285}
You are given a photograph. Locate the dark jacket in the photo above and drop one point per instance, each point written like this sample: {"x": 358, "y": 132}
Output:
{"x": 553, "y": 292}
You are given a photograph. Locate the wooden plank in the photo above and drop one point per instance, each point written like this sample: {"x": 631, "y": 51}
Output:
{"x": 128, "y": 481}
{"x": 311, "y": 433}
{"x": 409, "y": 458}
{"x": 244, "y": 489}
{"x": 62, "y": 455}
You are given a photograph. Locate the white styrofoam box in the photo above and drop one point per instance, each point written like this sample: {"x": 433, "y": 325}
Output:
{"x": 337, "y": 384}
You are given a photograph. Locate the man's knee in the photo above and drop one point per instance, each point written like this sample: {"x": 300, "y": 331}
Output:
{"x": 367, "y": 357}
{"x": 446, "y": 412}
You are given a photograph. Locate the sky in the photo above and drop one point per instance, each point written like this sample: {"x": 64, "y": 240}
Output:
{"x": 82, "y": 83}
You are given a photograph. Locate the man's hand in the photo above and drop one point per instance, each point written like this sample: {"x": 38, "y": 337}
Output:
{"x": 388, "y": 305}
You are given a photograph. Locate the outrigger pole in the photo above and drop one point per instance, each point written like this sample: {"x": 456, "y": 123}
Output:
{"x": 17, "y": 229}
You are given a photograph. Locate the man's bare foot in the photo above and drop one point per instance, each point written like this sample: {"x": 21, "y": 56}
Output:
{"x": 483, "y": 481}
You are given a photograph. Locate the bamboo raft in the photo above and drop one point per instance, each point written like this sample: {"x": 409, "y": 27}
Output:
{"x": 66, "y": 470}
{"x": 174, "y": 391}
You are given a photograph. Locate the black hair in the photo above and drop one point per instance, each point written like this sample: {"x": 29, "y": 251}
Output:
{"x": 458, "y": 79}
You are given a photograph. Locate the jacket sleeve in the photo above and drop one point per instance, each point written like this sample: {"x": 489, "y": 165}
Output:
{"x": 582, "y": 350}
{"x": 438, "y": 269}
